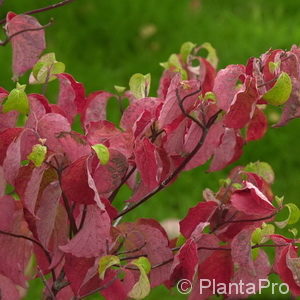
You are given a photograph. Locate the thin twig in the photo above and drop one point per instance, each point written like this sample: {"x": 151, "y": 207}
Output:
{"x": 8, "y": 39}
{"x": 103, "y": 287}
{"x": 39, "y": 10}
{"x": 45, "y": 283}
{"x": 83, "y": 217}
{"x": 115, "y": 192}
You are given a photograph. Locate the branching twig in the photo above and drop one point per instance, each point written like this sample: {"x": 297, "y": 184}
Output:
{"x": 39, "y": 10}
{"x": 8, "y": 39}
{"x": 180, "y": 167}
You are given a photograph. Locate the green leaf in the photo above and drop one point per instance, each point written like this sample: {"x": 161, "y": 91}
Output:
{"x": 294, "y": 215}
{"x": 139, "y": 85}
{"x": 102, "y": 153}
{"x": 17, "y": 100}
{"x": 120, "y": 89}
{"x": 45, "y": 69}
{"x": 141, "y": 288}
{"x": 38, "y": 154}
{"x": 261, "y": 235}
{"x": 185, "y": 50}
{"x": 106, "y": 262}
{"x": 267, "y": 229}
{"x": 212, "y": 57}
{"x": 262, "y": 169}
{"x": 281, "y": 90}
{"x": 256, "y": 236}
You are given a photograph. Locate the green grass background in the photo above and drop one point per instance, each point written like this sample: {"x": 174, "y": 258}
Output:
{"x": 100, "y": 42}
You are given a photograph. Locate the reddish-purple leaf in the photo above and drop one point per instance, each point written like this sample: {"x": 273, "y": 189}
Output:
{"x": 75, "y": 182}
{"x": 8, "y": 289}
{"x": 257, "y": 126}
{"x": 185, "y": 262}
{"x": 134, "y": 111}
{"x": 146, "y": 162}
{"x": 202, "y": 212}
{"x": 229, "y": 150}
{"x": 105, "y": 132}
{"x": 71, "y": 98}
{"x": 242, "y": 106}
{"x": 246, "y": 268}
{"x": 94, "y": 238}
{"x": 6, "y": 138}
{"x": 50, "y": 126}
{"x": 47, "y": 211}
{"x": 108, "y": 177}
{"x": 15, "y": 252}
{"x": 151, "y": 240}
{"x": 27, "y": 46}
{"x": 18, "y": 151}
{"x": 171, "y": 109}
{"x": 225, "y": 86}
{"x": 95, "y": 108}
{"x": 252, "y": 201}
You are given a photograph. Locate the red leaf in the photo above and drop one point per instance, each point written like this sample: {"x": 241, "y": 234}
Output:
{"x": 225, "y": 85}
{"x": 18, "y": 151}
{"x": 245, "y": 268}
{"x": 50, "y": 126}
{"x": 257, "y": 126}
{"x": 152, "y": 241}
{"x": 252, "y": 201}
{"x": 108, "y": 177}
{"x": 185, "y": 262}
{"x": 75, "y": 182}
{"x": 15, "y": 252}
{"x": 6, "y": 138}
{"x": 27, "y": 46}
{"x": 94, "y": 238}
{"x": 146, "y": 162}
{"x": 47, "y": 211}
{"x": 229, "y": 150}
{"x": 71, "y": 96}
{"x": 170, "y": 109}
{"x": 136, "y": 109}
{"x": 95, "y": 108}
{"x": 8, "y": 289}
{"x": 201, "y": 213}
{"x": 242, "y": 106}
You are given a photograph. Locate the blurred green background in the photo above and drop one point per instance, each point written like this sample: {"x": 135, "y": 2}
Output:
{"x": 103, "y": 42}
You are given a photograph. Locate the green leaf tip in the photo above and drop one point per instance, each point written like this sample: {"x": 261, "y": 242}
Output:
{"x": 102, "y": 153}
{"x": 17, "y": 100}
{"x": 139, "y": 85}
{"x": 38, "y": 154}
{"x": 106, "y": 262}
{"x": 142, "y": 287}
{"x": 46, "y": 69}
{"x": 293, "y": 217}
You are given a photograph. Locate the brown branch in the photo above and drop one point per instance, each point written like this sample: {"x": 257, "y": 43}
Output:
{"x": 8, "y": 39}
{"x": 29, "y": 239}
{"x": 115, "y": 192}
{"x": 73, "y": 227}
{"x": 103, "y": 287}
{"x": 83, "y": 217}
{"x": 43, "y": 9}
{"x": 20, "y": 236}
{"x": 133, "y": 250}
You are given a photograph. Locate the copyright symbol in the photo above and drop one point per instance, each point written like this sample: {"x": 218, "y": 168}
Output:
{"x": 184, "y": 286}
